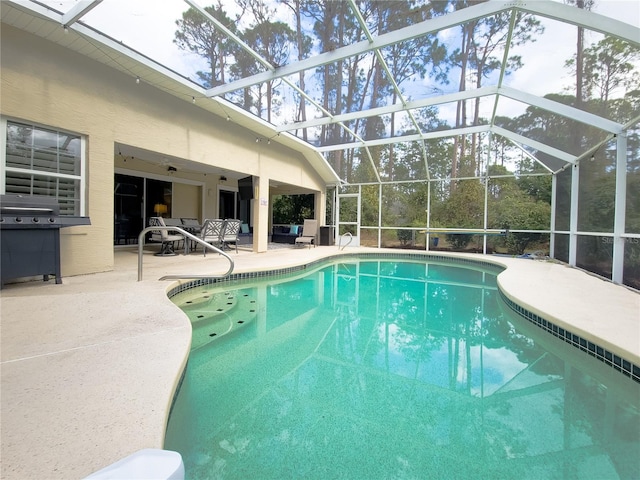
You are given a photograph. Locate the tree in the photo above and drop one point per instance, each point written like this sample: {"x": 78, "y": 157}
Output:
{"x": 303, "y": 45}
{"x": 407, "y": 59}
{"x": 490, "y": 39}
{"x": 510, "y": 206}
{"x": 360, "y": 81}
{"x": 479, "y": 54}
{"x": 609, "y": 65}
{"x": 464, "y": 208}
{"x": 331, "y": 27}
{"x": 579, "y": 58}
{"x": 292, "y": 209}
{"x": 198, "y": 35}
{"x": 273, "y": 42}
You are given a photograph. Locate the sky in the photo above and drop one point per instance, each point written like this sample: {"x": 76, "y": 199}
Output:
{"x": 553, "y": 48}
{"x": 149, "y": 25}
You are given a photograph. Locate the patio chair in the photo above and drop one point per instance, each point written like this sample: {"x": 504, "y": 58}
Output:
{"x": 172, "y": 222}
{"x": 231, "y": 233}
{"x": 165, "y": 237}
{"x": 309, "y": 233}
{"x": 176, "y": 222}
{"x": 211, "y": 232}
{"x": 192, "y": 225}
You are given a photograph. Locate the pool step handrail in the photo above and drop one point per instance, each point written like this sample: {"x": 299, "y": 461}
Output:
{"x": 340, "y": 247}
{"x": 190, "y": 236}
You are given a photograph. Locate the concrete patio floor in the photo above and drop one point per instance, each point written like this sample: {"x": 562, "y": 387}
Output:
{"x": 90, "y": 367}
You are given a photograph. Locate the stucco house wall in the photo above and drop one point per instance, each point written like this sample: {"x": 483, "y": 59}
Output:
{"x": 48, "y": 85}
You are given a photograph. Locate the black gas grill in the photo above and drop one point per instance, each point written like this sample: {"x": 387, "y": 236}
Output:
{"x": 30, "y": 236}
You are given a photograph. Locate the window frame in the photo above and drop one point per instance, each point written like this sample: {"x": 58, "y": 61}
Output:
{"x": 81, "y": 177}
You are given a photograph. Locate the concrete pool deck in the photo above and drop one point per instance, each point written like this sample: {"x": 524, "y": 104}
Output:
{"x": 89, "y": 367}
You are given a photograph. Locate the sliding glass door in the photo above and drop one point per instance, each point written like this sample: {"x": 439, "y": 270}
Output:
{"x": 135, "y": 200}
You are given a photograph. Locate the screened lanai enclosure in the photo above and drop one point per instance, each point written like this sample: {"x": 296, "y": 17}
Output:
{"x": 488, "y": 126}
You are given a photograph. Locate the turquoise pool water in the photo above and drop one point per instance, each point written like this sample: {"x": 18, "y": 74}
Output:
{"x": 372, "y": 369}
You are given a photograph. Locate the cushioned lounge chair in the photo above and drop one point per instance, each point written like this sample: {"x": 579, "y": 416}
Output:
{"x": 309, "y": 233}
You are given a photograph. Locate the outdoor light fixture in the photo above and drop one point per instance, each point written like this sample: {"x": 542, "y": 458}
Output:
{"x": 222, "y": 178}
{"x": 172, "y": 169}
{"x": 137, "y": 80}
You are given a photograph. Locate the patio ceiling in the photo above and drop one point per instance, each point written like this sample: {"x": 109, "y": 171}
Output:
{"x": 117, "y": 34}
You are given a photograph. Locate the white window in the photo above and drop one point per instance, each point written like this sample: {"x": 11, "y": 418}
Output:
{"x": 44, "y": 161}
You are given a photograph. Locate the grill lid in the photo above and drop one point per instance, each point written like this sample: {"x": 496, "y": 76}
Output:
{"x": 28, "y": 205}
{"x": 34, "y": 212}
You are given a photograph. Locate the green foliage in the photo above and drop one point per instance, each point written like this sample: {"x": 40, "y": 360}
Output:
{"x": 538, "y": 188}
{"x": 518, "y": 203}
{"x": 404, "y": 236}
{"x": 198, "y": 35}
{"x": 459, "y": 241}
{"x": 608, "y": 66}
{"x": 292, "y": 209}
{"x": 416, "y": 204}
{"x": 517, "y": 210}
{"x": 348, "y": 209}
{"x": 633, "y": 198}
{"x": 516, "y": 200}
{"x": 369, "y": 204}
{"x": 596, "y": 198}
{"x": 464, "y": 208}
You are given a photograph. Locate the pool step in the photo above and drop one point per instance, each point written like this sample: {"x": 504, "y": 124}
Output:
{"x": 208, "y": 306}
{"x": 213, "y": 315}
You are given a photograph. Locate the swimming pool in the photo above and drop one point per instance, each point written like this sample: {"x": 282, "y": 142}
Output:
{"x": 379, "y": 368}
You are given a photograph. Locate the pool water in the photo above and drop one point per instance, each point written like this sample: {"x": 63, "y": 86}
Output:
{"x": 372, "y": 369}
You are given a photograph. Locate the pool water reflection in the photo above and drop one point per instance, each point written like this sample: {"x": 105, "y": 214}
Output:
{"x": 384, "y": 369}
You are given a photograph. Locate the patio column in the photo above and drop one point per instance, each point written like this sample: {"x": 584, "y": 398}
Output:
{"x": 261, "y": 214}
{"x": 320, "y": 207}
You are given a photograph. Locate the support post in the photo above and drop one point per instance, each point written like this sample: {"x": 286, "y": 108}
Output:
{"x": 619, "y": 220}
{"x": 261, "y": 214}
{"x": 554, "y": 206}
{"x": 573, "y": 218}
